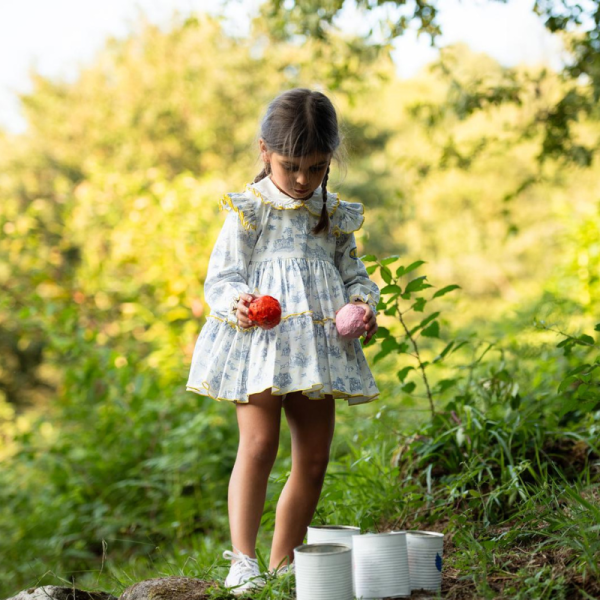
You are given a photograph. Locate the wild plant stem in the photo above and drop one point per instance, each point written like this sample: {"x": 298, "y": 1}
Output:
{"x": 418, "y": 357}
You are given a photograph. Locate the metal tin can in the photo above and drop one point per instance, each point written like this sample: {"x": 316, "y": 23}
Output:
{"x": 380, "y": 565}
{"x": 323, "y": 572}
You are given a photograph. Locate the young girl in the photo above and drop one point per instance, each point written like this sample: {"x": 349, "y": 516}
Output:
{"x": 285, "y": 236}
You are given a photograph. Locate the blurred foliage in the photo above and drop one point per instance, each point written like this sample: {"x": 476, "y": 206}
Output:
{"x": 108, "y": 212}
{"x": 577, "y": 22}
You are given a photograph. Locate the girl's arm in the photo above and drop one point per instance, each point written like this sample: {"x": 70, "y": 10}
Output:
{"x": 227, "y": 275}
{"x": 354, "y": 273}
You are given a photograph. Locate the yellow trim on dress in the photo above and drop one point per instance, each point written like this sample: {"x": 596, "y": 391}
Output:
{"x": 335, "y": 230}
{"x": 300, "y": 205}
{"x": 248, "y": 329}
{"x": 226, "y": 199}
{"x": 275, "y": 391}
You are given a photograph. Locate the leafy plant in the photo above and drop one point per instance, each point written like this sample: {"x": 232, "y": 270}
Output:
{"x": 391, "y": 303}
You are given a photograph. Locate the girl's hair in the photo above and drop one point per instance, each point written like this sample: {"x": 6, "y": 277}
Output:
{"x": 297, "y": 123}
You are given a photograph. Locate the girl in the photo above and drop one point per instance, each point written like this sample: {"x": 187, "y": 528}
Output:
{"x": 285, "y": 236}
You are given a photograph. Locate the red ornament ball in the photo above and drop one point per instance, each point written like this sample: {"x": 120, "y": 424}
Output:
{"x": 265, "y": 311}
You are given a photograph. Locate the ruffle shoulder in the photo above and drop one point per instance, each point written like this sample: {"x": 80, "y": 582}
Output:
{"x": 348, "y": 217}
{"x": 247, "y": 207}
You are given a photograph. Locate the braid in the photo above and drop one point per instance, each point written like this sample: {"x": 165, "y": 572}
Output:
{"x": 323, "y": 223}
{"x": 266, "y": 171}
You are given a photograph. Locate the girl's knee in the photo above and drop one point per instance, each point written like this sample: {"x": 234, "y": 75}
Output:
{"x": 315, "y": 467}
{"x": 259, "y": 448}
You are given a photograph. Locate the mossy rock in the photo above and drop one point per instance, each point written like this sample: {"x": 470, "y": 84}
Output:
{"x": 167, "y": 588}
{"x": 53, "y": 592}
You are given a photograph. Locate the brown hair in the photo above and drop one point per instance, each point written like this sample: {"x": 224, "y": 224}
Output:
{"x": 300, "y": 122}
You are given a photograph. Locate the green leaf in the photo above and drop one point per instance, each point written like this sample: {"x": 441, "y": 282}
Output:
{"x": 383, "y": 332}
{"x": 597, "y": 328}
{"x": 402, "y": 373}
{"x": 428, "y": 319}
{"x": 386, "y": 274}
{"x": 445, "y": 384}
{"x": 515, "y": 402}
{"x": 392, "y": 289}
{"x": 578, "y": 369}
{"x": 389, "y": 260}
{"x": 419, "y": 304}
{"x": 445, "y": 290}
{"x": 415, "y": 285}
{"x": 409, "y": 387}
{"x": 585, "y": 340}
{"x": 388, "y": 345}
{"x": 368, "y": 258}
{"x": 567, "y": 383}
{"x": 414, "y": 266}
{"x": 372, "y": 268}
{"x": 445, "y": 351}
{"x": 423, "y": 323}
{"x": 432, "y": 331}
{"x": 459, "y": 346}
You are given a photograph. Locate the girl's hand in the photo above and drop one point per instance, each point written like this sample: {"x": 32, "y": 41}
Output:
{"x": 242, "y": 311}
{"x": 370, "y": 322}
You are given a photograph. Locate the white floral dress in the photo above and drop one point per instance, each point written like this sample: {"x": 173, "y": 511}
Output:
{"x": 267, "y": 247}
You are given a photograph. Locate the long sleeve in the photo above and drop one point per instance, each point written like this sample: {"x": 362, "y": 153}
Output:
{"x": 227, "y": 275}
{"x": 354, "y": 273}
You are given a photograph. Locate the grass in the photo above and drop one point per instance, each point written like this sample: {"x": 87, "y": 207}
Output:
{"x": 507, "y": 466}
{"x": 547, "y": 548}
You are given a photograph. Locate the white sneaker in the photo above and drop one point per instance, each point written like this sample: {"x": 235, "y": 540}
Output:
{"x": 285, "y": 569}
{"x": 244, "y": 573}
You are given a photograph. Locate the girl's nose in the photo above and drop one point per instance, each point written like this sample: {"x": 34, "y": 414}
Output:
{"x": 301, "y": 178}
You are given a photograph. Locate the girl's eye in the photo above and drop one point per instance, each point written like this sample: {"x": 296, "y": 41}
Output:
{"x": 294, "y": 168}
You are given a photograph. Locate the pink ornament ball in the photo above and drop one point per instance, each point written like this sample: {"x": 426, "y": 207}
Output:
{"x": 349, "y": 321}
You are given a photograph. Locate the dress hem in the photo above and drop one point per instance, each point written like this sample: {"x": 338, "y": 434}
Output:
{"x": 277, "y": 392}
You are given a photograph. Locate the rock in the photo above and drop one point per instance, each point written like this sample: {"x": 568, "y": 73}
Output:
{"x": 53, "y": 592}
{"x": 167, "y": 588}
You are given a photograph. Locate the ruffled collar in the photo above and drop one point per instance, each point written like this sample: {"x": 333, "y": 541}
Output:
{"x": 270, "y": 194}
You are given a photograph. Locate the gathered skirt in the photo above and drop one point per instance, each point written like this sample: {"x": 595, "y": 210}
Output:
{"x": 303, "y": 353}
{"x": 300, "y": 354}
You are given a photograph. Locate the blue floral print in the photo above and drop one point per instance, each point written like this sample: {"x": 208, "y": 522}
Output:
{"x": 266, "y": 246}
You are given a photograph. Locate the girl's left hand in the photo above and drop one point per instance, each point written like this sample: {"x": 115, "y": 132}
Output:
{"x": 370, "y": 322}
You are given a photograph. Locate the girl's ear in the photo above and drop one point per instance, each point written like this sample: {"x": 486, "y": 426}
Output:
{"x": 264, "y": 152}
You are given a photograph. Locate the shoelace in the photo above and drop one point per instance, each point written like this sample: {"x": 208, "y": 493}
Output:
{"x": 287, "y": 568}
{"x": 244, "y": 564}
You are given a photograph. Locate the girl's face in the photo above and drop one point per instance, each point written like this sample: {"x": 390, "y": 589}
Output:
{"x": 296, "y": 176}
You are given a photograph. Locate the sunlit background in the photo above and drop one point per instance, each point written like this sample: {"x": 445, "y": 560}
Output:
{"x": 55, "y": 38}
{"x": 122, "y": 124}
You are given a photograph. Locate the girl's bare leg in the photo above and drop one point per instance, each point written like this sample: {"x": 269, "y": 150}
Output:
{"x": 258, "y": 422}
{"x": 311, "y": 423}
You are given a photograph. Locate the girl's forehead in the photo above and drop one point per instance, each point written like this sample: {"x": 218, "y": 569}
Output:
{"x": 309, "y": 160}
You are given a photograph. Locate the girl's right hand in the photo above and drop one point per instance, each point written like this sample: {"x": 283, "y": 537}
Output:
{"x": 242, "y": 311}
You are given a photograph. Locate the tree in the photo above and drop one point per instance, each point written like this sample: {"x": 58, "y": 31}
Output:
{"x": 577, "y": 22}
